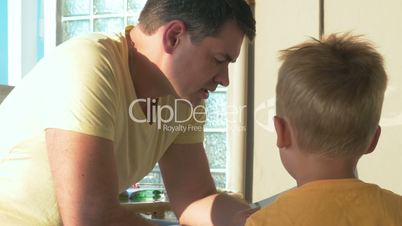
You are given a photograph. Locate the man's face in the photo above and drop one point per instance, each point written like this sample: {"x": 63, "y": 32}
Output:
{"x": 199, "y": 68}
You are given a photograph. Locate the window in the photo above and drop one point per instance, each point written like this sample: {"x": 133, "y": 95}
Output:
{"x": 216, "y": 142}
{"x": 83, "y": 16}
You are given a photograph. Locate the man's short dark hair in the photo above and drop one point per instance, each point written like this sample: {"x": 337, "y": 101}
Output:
{"x": 202, "y": 17}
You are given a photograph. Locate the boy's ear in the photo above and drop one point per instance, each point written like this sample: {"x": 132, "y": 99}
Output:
{"x": 283, "y": 132}
{"x": 374, "y": 140}
{"x": 172, "y": 35}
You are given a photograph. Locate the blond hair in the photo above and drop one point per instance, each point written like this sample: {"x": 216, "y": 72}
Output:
{"x": 331, "y": 91}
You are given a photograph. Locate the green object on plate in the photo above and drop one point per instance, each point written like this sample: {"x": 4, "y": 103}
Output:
{"x": 146, "y": 195}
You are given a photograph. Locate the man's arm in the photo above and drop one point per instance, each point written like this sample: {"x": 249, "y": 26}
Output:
{"x": 85, "y": 180}
{"x": 191, "y": 189}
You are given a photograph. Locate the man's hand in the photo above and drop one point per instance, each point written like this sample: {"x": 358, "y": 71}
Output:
{"x": 192, "y": 191}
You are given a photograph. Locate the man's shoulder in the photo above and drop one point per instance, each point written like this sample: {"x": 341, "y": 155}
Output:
{"x": 102, "y": 43}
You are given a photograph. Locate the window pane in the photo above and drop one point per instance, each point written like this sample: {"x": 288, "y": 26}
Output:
{"x": 134, "y": 7}
{"x": 215, "y": 145}
{"x": 152, "y": 178}
{"x": 108, "y": 6}
{"x": 132, "y": 20}
{"x": 75, "y": 28}
{"x": 109, "y": 24}
{"x": 76, "y": 7}
{"x": 220, "y": 180}
{"x": 216, "y": 110}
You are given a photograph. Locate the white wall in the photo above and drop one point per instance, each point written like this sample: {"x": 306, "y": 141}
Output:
{"x": 280, "y": 24}
{"x": 381, "y": 22}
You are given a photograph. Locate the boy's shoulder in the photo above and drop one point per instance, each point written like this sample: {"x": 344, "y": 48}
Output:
{"x": 319, "y": 201}
{"x": 337, "y": 187}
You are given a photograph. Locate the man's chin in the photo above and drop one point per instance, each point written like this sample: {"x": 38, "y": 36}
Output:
{"x": 195, "y": 101}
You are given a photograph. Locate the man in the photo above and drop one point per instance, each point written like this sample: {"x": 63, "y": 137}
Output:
{"x": 82, "y": 126}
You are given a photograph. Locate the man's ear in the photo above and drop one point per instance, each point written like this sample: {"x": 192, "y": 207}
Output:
{"x": 374, "y": 140}
{"x": 174, "y": 31}
{"x": 283, "y": 132}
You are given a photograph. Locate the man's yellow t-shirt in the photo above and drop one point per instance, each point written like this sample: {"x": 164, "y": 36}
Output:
{"x": 83, "y": 86}
{"x": 343, "y": 202}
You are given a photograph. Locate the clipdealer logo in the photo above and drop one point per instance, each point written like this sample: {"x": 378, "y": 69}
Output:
{"x": 264, "y": 114}
{"x": 169, "y": 118}
{"x": 162, "y": 115}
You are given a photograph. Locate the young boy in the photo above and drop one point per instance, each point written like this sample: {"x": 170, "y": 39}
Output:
{"x": 329, "y": 99}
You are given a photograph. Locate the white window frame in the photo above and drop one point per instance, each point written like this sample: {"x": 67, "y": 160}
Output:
{"x": 22, "y": 27}
{"x": 14, "y": 42}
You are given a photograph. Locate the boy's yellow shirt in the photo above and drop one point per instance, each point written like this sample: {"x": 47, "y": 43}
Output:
{"x": 332, "y": 203}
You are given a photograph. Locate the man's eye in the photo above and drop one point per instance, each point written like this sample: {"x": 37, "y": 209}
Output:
{"x": 218, "y": 61}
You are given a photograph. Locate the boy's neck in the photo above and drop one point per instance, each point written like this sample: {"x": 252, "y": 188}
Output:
{"x": 315, "y": 167}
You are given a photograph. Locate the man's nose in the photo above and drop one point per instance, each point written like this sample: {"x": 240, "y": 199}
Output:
{"x": 223, "y": 77}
